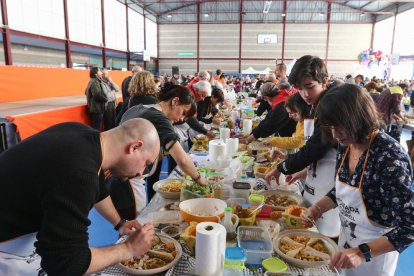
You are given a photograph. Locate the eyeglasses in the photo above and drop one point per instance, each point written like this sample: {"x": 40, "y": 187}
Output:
{"x": 150, "y": 168}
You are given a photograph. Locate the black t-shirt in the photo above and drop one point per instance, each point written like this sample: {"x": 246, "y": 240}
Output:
{"x": 49, "y": 183}
{"x": 163, "y": 125}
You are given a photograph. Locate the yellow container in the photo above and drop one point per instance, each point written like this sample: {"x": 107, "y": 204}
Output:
{"x": 292, "y": 217}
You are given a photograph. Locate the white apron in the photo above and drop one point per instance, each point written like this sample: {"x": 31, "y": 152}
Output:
{"x": 320, "y": 180}
{"x": 18, "y": 257}
{"x": 140, "y": 195}
{"x": 356, "y": 228}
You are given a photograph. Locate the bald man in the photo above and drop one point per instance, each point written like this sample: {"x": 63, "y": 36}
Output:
{"x": 50, "y": 182}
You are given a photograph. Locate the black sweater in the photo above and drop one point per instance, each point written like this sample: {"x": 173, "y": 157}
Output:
{"x": 277, "y": 122}
{"x": 204, "y": 108}
{"x": 49, "y": 183}
{"x": 313, "y": 150}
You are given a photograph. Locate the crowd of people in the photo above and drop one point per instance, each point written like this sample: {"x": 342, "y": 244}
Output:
{"x": 342, "y": 138}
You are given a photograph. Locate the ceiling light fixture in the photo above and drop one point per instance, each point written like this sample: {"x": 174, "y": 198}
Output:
{"x": 362, "y": 14}
{"x": 321, "y": 14}
{"x": 206, "y": 15}
{"x": 267, "y": 6}
{"x": 169, "y": 16}
{"x": 283, "y": 14}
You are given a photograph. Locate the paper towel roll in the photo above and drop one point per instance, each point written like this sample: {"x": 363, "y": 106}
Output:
{"x": 224, "y": 133}
{"x": 247, "y": 126}
{"x": 216, "y": 149}
{"x": 232, "y": 146}
{"x": 210, "y": 249}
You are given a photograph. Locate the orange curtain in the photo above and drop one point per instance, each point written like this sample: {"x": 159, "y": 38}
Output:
{"x": 29, "y": 83}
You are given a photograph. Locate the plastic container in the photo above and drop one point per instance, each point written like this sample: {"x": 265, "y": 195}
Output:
{"x": 274, "y": 265}
{"x": 163, "y": 217}
{"x": 241, "y": 189}
{"x": 172, "y": 230}
{"x": 233, "y": 202}
{"x": 257, "y": 243}
{"x": 235, "y": 257}
{"x": 256, "y": 199}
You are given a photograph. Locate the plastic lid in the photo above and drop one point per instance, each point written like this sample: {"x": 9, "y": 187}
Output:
{"x": 274, "y": 265}
{"x": 228, "y": 209}
{"x": 235, "y": 254}
{"x": 257, "y": 198}
{"x": 265, "y": 212}
{"x": 241, "y": 185}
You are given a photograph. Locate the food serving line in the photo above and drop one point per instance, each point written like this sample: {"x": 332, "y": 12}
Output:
{"x": 235, "y": 174}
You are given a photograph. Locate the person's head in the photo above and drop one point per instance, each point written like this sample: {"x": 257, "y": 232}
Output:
{"x": 217, "y": 96}
{"x": 348, "y": 115}
{"x": 280, "y": 70}
{"x": 223, "y": 79}
{"x": 271, "y": 77}
{"x": 157, "y": 81}
{"x": 142, "y": 83}
{"x": 203, "y": 88}
{"x": 284, "y": 86}
{"x": 105, "y": 73}
{"x": 269, "y": 90}
{"x": 371, "y": 87}
{"x": 310, "y": 76}
{"x": 296, "y": 107}
{"x": 136, "y": 69}
{"x": 134, "y": 146}
{"x": 404, "y": 87}
{"x": 95, "y": 72}
{"x": 177, "y": 102}
{"x": 204, "y": 75}
{"x": 358, "y": 79}
{"x": 218, "y": 72}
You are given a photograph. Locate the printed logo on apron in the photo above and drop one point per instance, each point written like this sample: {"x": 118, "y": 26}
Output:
{"x": 356, "y": 228}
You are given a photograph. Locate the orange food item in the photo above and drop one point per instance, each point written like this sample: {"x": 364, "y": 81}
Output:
{"x": 275, "y": 215}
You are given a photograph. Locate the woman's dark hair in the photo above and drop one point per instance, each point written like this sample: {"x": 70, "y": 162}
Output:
{"x": 93, "y": 71}
{"x": 218, "y": 94}
{"x": 371, "y": 85}
{"x": 169, "y": 91}
{"x": 308, "y": 66}
{"x": 296, "y": 104}
{"x": 351, "y": 109}
{"x": 388, "y": 104}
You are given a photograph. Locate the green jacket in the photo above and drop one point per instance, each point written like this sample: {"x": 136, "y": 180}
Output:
{"x": 96, "y": 96}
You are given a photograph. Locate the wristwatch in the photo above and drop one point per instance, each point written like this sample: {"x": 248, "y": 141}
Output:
{"x": 120, "y": 224}
{"x": 366, "y": 251}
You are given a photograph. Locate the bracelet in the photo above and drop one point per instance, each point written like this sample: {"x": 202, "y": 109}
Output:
{"x": 120, "y": 224}
{"x": 198, "y": 177}
{"x": 319, "y": 209}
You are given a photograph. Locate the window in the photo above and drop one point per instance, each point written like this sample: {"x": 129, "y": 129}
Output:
{"x": 83, "y": 57}
{"x": 136, "y": 31}
{"x": 35, "y": 51}
{"x": 151, "y": 37}
{"x": 404, "y": 36}
{"x": 116, "y": 61}
{"x": 44, "y": 17}
{"x": 383, "y": 35}
{"x": 115, "y": 25}
{"x": 85, "y": 21}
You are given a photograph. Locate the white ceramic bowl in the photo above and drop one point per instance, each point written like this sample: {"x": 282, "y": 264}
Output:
{"x": 329, "y": 244}
{"x": 169, "y": 195}
{"x": 164, "y": 238}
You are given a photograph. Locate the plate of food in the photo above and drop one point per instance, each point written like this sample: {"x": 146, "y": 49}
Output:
{"x": 305, "y": 249}
{"x": 200, "y": 143}
{"x": 280, "y": 200}
{"x": 169, "y": 188}
{"x": 164, "y": 254}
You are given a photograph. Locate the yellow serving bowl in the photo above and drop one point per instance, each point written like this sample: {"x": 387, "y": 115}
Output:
{"x": 202, "y": 209}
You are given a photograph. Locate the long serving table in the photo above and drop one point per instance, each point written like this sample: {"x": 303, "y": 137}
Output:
{"x": 187, "y": 261}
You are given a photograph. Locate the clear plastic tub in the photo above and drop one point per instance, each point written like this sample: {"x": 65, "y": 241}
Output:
{"x": 257, "y": 243}
{"x": 234, "y": 201}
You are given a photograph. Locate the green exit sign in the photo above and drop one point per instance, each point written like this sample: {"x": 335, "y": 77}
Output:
{"x": 185, "y": 54}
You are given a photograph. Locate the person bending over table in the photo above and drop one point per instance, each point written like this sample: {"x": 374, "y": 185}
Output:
{"x": 277, "y": 121}
{"x": 316, "y": 159}
{"x": 50, "y": 182}
{"x": 296, "y": 107}
{"x": 372, "y": 188}
{"x": 175, "y": 104}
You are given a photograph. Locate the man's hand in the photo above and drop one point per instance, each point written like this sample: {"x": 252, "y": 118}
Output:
{"x": 129, "y": 227}
{"x": 202, "y": 181}
{"x": 140, "y": 241}
{"x": 216, "y": 120}
{"x": 210, "y": 134}
{"x": 290, "y": 179}
{"x": 279, "y": 153}
{"x": 275, "y": 172}
{"x": 347, "y": 258}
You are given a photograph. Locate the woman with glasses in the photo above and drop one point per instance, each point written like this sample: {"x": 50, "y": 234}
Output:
{"x": 372, "y": 186}
{"x": 175, "y": 104}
